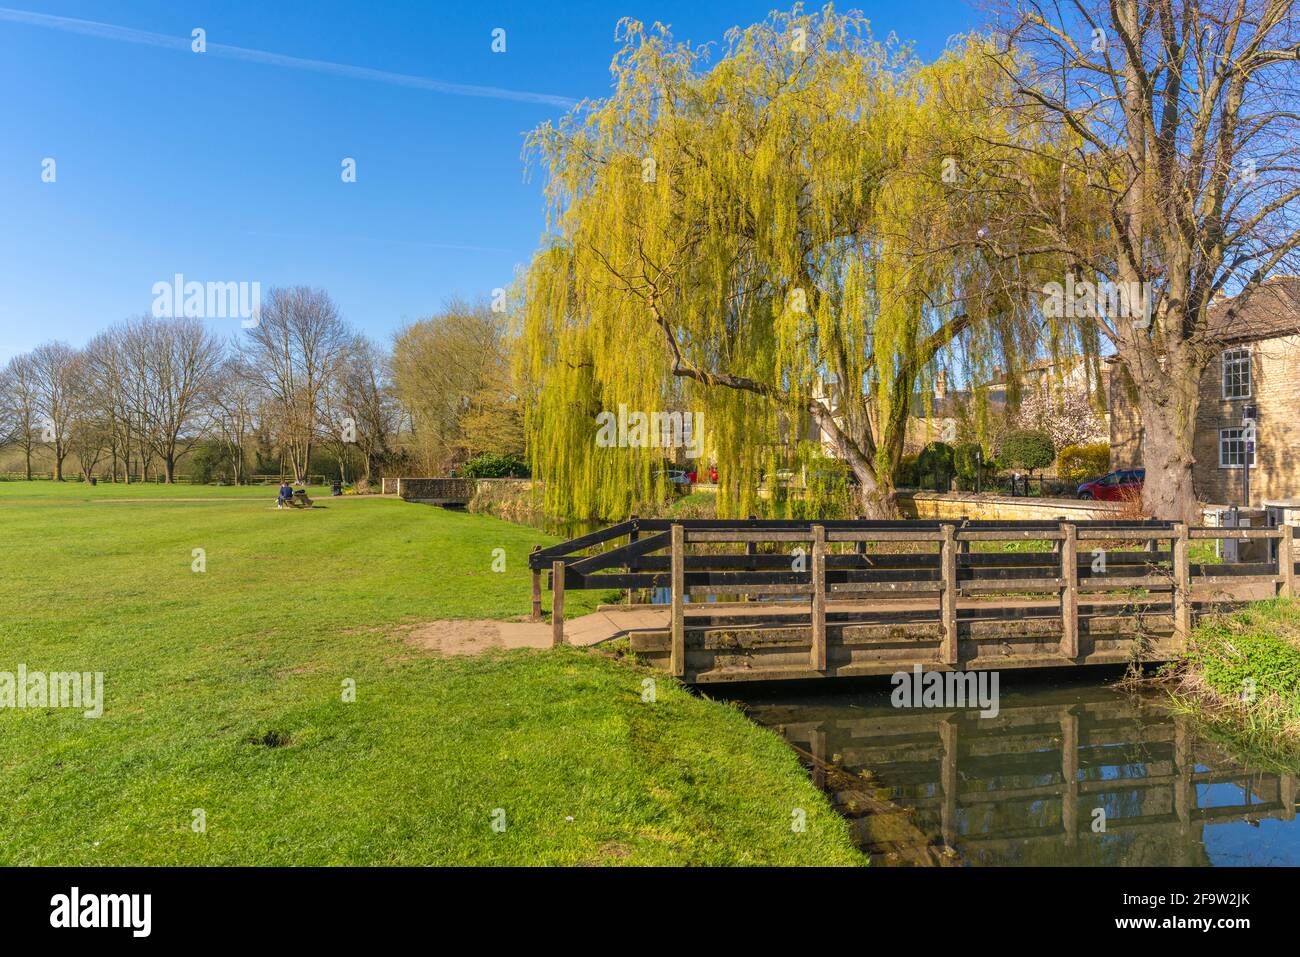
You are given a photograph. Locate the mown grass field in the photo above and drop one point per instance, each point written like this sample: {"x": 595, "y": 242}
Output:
{"x": 205, "y": 671}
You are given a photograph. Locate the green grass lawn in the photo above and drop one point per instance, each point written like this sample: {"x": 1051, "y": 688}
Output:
{"x": 224, "y": 688}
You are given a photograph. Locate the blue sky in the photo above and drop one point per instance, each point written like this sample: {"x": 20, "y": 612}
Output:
{"x": 227, "y": 167}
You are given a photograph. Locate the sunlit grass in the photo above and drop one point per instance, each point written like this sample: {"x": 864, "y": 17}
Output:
{"x": 224, "y": 693}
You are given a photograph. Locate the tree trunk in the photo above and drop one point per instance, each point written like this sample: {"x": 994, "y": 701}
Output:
{"x": 27, "y": 456}
{"x": 1168, "y": 413}
{"x": 169, "y": 468}
{"x": 878, "y": 503}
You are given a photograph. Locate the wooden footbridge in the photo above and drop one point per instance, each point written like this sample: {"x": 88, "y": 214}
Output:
{"x": 761, "y": 600}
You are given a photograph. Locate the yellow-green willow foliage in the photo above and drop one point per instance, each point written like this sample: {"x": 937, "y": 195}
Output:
{"x": 770, "y": 240}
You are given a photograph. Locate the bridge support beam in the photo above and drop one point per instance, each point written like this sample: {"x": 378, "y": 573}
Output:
{"x": 1182, "y": 587}
{"x": 1069, "y": 590}
{"x": 818, "y": 662}
{"x": 677, "y": 652}
{"x": 948, "y": 600}
{"x": 557, "y": 603}
{"x": 537, "y": 589}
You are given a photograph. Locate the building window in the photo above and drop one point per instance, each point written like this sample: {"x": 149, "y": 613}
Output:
{"x": 1232, "y": 449}
{"x": 1236, "y": 374}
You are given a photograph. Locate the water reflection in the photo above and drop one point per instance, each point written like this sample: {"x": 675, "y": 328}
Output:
{"x": 1029, "y": 786}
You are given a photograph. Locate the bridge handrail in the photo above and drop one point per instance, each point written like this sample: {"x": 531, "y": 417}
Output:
{"x": 951, "y": 572}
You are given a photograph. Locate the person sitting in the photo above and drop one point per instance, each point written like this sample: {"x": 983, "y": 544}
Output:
{"x": 286, "y": 494}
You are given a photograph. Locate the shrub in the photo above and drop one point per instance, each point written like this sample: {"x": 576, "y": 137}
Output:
{"x": 934, "y": 465}
{"x": 1076, "y": 463}
{"x": 905, "y": 475}
{"x": 1026, "y": 449}
{"x": 495, "y": 466}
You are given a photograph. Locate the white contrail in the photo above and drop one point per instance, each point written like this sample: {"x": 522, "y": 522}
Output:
{"x": 108, "y": 31}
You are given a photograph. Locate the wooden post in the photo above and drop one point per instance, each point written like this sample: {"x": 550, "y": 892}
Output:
{"x": 537, "y": 589}
{"x": 1286, "y": 794}
{"x": 819, "y": 598}
{"x": 1182, "y": 587}
{"x": 557, "y": 603}
{"x": 1184, "y": 788}
{"x": 963, "y": 548}
{"x": 1070, "y": 590}
{"x": 817, "y": 748}
{"x": 861, "y": 547}
{"x": 632, "y": 537}
{"x": 751, "y": 548}
{"x": 1070, "y": 775}
{"x": 1286, "y": 561}
{"x": 948, "y": 779}
{"x": 948, "y": 600}
{"x": 677, "y": 656}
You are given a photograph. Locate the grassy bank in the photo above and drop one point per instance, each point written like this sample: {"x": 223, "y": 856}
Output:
{"x": 1241, "y": 675}
{"x": 223, "y": 692}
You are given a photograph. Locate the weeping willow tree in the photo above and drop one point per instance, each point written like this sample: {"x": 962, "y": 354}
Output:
{"x": 771, "y": 242}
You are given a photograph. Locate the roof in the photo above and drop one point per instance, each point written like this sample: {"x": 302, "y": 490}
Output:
{"x": 1273, "y": 310}
{"x": 947, "y": 407}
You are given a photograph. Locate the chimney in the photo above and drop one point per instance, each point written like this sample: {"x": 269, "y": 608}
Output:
{"x": 941, "y": 384}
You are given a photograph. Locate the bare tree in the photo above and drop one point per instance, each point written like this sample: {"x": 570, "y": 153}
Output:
{"x": 89, "y": 437}
{"x": 19, "y": 404}
{"x": 1176, "y": 180}
{"x": 109, "y": 387}
{"x": 292, "y": 353}
{"x": 172, "y": 364}
{"x": 370, "y": 410}
{"x": 57, "y": 377}
{"x": 236, "y": 401}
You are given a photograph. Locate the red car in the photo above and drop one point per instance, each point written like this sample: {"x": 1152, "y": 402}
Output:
{"x": 1115, "y": 486}
{"x": 692, "y": 475}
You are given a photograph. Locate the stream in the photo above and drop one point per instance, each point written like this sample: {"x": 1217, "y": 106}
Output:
{"x": 1065, "y": 774}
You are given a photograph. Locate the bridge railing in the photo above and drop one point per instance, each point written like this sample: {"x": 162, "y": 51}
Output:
{"x": 878, "y": 562}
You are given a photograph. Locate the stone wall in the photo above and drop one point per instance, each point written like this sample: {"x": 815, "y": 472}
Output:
{"x": 439, "y": 488}
{"x": 969, "y": 505}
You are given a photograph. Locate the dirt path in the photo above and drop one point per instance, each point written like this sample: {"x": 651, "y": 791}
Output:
{"x": 474, "y": 636}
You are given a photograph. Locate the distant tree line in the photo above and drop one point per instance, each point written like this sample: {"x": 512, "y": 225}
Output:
{"x": 298, "y": 393}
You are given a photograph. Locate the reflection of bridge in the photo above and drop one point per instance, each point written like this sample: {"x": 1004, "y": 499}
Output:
{"x": 1021, "y": 788}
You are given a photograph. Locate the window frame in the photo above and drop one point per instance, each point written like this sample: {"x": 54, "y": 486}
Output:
{"x": 1241, "y": 355}
{"x": 1240, "y": 438}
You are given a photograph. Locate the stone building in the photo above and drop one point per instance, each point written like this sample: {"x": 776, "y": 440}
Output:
{"x": 1256, "y": 363}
